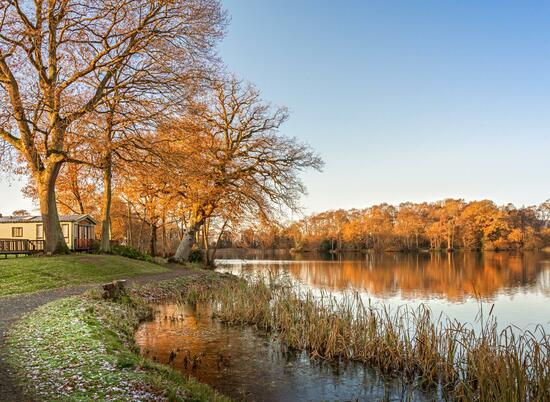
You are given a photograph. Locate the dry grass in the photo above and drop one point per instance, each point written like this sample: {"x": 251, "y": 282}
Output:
{"x": 434, "y": 353}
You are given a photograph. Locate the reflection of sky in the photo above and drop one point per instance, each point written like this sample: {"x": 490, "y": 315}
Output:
{"x": 517, "y": 285}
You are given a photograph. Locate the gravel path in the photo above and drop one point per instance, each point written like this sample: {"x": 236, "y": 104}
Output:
{"x": 12, "y": 308}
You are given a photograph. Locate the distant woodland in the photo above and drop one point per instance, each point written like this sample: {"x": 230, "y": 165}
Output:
{"x": 449, "y": 224}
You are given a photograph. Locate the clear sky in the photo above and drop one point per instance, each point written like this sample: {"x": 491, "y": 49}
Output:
{"x": 405, "y": 101}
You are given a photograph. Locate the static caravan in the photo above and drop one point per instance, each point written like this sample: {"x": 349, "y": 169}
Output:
{"x": 78, "y": 230}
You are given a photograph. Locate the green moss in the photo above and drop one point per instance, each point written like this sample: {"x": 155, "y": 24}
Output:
{"x": 82, "y": 349}
{"x": 31, "y": 274}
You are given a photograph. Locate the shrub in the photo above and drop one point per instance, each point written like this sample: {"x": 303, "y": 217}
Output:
{"x": 130, "y": 252}
{"x": 196, "y": 256}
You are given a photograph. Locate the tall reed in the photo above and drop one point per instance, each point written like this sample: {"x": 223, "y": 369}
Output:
{"x": 433, "y": 352}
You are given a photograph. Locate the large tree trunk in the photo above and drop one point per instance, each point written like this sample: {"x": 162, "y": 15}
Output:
{"x": 205, "y": 229}
{"x": 105, "y": 246}
{"x": 53, "y": 234}
{"x": 153, "y": 244}
{"x": 186, "y": 244}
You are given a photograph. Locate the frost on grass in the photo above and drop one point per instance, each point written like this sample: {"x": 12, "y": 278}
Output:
{"x": 61, "y": 351}
{"x": 82, "y": 349}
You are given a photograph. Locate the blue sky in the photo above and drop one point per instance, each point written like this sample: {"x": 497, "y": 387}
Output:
{"x": 404, "y": 100}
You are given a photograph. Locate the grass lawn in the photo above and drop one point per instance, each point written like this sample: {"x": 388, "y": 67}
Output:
{"x": 31, "y": 274}
{"x": 7, "y": 256}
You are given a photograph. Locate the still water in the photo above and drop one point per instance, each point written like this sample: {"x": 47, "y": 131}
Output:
{"x": 251, "y": 366}
{"x": 248, "y": 365}
{"x": 452, "y": 284}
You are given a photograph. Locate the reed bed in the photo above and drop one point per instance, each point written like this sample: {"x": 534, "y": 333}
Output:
{"x": 435, "y": 353}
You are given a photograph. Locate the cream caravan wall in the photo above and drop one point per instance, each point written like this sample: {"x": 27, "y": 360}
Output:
{"x": 29, "y": 231}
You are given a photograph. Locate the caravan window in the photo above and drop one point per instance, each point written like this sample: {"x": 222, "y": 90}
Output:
{"x": 39, "y": 232}
{"x": 65, "y": 227}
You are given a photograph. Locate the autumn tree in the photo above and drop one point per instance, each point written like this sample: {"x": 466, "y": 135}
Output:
{"x": 239, "y": 160}
{"x": 117, "y": 135}
{"x": 57, "y": 63}
{"x": 355, "y": 231}
{"x": 450, "y": 219}
{"x": 76, "y": 190}
{"x": 379, "y": 221}
{"x": 478, "y": 222}
{"x": 525, "y": 227}
{"x": 146, "y": 189}
{"x": 409, "y": 224}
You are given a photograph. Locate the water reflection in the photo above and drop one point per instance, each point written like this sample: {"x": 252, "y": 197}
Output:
{"x": 248, "y": 366}
{"x": 453, "y": 283}
{"x": 426, "y": 275}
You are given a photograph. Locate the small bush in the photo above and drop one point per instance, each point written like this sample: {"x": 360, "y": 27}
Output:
{"x": 196, "y": 256}
{"x": 130, "y": 252}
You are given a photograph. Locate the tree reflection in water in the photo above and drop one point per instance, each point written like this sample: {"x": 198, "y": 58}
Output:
{"x": 452, "y": 283}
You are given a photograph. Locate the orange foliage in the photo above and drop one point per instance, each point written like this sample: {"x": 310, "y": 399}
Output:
{"x": 452, "y": 224}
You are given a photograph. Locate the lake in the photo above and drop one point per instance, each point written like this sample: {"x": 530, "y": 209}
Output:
{"x": 249, "y": 365}
{"x": 454, "y": 284}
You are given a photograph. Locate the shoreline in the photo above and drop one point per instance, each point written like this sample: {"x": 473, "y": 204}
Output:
{"x": 95, "y": 355}
{"x": 434, "y": 354}
{"x": 431, "y": 356}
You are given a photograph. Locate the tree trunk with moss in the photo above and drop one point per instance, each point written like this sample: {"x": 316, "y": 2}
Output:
{"x": 53, "y": 234}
